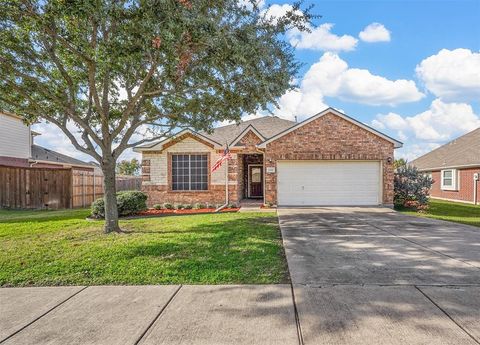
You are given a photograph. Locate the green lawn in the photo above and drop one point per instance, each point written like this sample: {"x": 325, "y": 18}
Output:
{"x": 62, "y": 248}
{"x": 451, "y": 211}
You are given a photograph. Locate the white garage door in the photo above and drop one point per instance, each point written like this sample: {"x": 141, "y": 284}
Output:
{"x": 310, "y": 183}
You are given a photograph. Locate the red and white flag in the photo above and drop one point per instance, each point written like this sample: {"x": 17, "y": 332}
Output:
{"x": 226, "y": 155}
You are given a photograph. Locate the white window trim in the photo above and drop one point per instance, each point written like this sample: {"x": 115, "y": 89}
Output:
{"x": 454, "y": 179}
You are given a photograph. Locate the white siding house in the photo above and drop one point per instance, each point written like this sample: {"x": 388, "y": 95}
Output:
{"x": 15, "y": 137}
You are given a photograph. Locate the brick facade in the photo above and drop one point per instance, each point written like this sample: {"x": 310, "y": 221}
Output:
{"x": 330, "y": 137}
{"x": 465, "y": 192}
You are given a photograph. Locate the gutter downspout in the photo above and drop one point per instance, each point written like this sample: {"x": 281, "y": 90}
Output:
{"x": 475, "y": 181}
{"x": 226, "y": 189}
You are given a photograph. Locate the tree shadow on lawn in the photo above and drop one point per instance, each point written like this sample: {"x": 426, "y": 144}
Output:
{"x": 231, "y": 251}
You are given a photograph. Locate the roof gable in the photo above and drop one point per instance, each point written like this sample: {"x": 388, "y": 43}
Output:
{"x": 249, "y": 129}
{"x": 396, "y": 143}
{"x": 172, "y": 140}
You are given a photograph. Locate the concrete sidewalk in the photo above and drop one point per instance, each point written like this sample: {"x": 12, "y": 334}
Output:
{"x": 222, "y": 314}
{"x": 240, "y": 314}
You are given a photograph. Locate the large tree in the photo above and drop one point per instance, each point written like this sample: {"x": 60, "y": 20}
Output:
{"x": 115, "y": 74}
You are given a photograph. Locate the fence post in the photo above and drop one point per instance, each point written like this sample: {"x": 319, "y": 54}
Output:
{"x": 83, "y": 188}
{"x": 94, "y": 186}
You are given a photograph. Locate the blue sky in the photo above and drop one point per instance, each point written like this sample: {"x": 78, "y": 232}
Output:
{"x": 413, "y": 74}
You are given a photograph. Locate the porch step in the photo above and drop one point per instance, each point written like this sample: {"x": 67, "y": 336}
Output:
{"x": 251, "y": 203}
{"x": 254, "y": 206}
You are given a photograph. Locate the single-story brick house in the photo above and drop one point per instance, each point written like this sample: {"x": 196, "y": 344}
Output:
{"x": 328, "y": 159}
{"x": 455, "y": 169}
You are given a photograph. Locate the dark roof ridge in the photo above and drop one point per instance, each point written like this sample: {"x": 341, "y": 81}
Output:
{"x": 256, "y": 119}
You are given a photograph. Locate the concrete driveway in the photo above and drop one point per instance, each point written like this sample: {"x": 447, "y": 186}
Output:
{"x": 374, "y": 276}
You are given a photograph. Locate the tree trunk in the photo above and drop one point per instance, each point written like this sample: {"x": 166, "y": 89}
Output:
{"x": 110, "y": 197}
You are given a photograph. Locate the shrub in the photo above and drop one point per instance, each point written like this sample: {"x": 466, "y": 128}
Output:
{"x": 131, "y": 202}
{"x": 199, "y": 206}
{"x": 157, "y": 206}
{"x": 411, "y": 187}
{"x": 128, "y": 202}
{"x": 98, "y": 208}
{"x": 179, "y": 206}
{"x": 188, "y": 207}
{"x": 168, "y": 206}
{"x": 231, "y": 205}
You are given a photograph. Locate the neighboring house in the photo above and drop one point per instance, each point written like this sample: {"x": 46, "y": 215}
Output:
{"x": 328, "y": 159}
{"x": 32, "y": 176}
{"x": 455, "y": 169}
{"x": 17, "y": 148}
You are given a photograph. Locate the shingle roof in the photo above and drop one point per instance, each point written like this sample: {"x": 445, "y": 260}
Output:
{"x": 462, "y": 151}
{"x": 44, "y": 154}
{"x": 268, "y": 126}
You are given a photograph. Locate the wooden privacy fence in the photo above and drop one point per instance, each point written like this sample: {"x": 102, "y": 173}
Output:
{"x": 46, "y": 188}
{"x": 125, "y": 182}
{"x": 87, "y": 187}
{"x": 38, "y": 188}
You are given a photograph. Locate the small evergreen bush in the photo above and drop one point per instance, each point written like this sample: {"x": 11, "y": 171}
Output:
{"x": 168, "y": 206}
{"x": 128, "y": 202}
{"x": 98, "y": 208}
{"x": 198, "y": 206}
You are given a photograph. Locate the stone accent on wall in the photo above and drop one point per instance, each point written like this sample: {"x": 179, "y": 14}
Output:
{"x": 330, "y": 137}
{"x": 145, "y": 169}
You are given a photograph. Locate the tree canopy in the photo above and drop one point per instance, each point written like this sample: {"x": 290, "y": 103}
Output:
{"x": 115, "y": 74}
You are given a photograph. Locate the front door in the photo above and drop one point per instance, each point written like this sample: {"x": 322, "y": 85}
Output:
{"x": 255, "y": 180}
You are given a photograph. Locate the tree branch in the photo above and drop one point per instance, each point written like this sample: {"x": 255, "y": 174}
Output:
{"x": 63, "y": 126}
{"x": 132, "y": 103}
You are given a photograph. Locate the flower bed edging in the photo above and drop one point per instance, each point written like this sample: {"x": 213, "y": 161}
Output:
{"x": 165, "y": 212}
{"x": 153, "y": 212}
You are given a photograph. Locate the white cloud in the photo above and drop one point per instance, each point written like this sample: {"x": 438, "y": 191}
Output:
{"x": 248, "y": 3}
{"x": 452, "y": 75}
{"x": 276, "y": 11}
{"x": 332, "y": 76}
{"x": 440, "y": 123}
{"x": 321, "y": 38}
{"x": 375, "y": 32}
